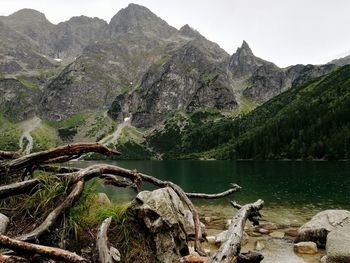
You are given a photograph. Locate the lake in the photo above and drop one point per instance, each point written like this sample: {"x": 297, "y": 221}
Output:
{"x": 293, "y": 191}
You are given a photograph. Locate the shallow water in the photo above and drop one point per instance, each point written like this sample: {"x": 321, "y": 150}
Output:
{"x": 293, "y": 191}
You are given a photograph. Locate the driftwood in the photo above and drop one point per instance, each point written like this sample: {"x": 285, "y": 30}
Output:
{"x": 9, "y": 155}
{"x": 29, "y": 161}
{"x": 234, "y": 188}
{"x": 105, "y": 253}
{"x": 49, "y": 252}
{"x": 18, "y": 188}
{"x": 13, "y": 259}
{"x": 229, "y": 251}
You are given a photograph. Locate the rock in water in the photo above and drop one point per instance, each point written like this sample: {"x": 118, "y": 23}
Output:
{"x": 4, "y": 221}
{"x": 259, "y": 245}
{"x": 338, "y": 243}
{"x": 162, "y": 215}
{"x": 320, "y": 225}
{"x": 305, "y": 248}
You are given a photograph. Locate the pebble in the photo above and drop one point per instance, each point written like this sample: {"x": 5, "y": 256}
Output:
{"x": 305, "y": 248}
{"x": 264, "y": 231}
{"x": 259, "y": 245}
{"x": 277, "y": 234}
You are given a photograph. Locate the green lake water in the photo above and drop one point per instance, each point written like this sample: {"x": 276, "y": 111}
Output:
{"x": 293, "y": 191}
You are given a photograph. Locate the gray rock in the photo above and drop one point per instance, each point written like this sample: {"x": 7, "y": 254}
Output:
{"x": 102, "y": 199}
{"x": 338, "y": 243}
{"x": 4, "y": 221}
{"x": 162, "y": 213}
{"x": 320, "y": 225}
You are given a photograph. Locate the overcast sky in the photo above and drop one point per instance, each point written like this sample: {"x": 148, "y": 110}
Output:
{"x": 285, "y": 32}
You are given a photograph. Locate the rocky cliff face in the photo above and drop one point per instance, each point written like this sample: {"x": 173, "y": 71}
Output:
{"x": 188, "y": 80}
{"x": 137, "y": 65}
{"x": 14, "y": 98}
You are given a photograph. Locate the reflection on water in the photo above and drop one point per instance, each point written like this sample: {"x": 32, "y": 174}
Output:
{"x": 292, "y": 191}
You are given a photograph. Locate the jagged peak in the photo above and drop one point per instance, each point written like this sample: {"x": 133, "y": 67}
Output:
{"x": 132, "y": 10}
{"x": 140, "y": 20}
{"x": 245, "y": 49}
{"x": 186, "y": 30}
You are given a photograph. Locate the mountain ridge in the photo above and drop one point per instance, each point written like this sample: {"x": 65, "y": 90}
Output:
{"x": 136, "y": 67}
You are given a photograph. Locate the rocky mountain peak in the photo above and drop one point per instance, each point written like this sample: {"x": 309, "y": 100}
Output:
{"x": 28, "y": 15}
{"x": 245, "y": 49}
{"x": 186, "y": 30}
{"x": 243, "y": 62}
{"x": 138, "y": 19}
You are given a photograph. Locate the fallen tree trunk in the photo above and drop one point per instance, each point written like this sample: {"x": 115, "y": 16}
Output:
{"x": 52, "y": 217}
{"x": 229, "y": 251}
{"x": 14, "y": 166}
{"x": 50, "y": 252}
{"x": 18, "y": 188}
{"x": 9, "y": 155}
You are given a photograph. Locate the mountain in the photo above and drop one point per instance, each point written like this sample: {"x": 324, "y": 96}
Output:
{"x": 309, "y": 121}
{"x": 84, "y": 75}
{"x": 341, "y": 61}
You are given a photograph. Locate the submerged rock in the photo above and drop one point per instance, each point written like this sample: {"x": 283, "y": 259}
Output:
{"x": 320, "y": 225}
{"x": 305, "y": 248}
{"x": 162, "y": 215}
{"x": 259, "y": 245}
{"x": 338, "y": 244}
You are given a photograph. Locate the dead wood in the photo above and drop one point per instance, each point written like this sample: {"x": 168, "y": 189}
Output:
{"x": 33, "y": 160}
{"x": 18, "y": 188}
{"x": 50, "y": 252}
{"x": 13, "y": 259}
{"x": 102, "y": 242}
{"x": 192, "y": 259}
{"x": 229, "y": 251}
{"x": 9, "y": 155}
{"x": 234, "y": 188}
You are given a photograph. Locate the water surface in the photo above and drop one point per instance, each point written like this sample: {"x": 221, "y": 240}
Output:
{"x": 293, "y": 191}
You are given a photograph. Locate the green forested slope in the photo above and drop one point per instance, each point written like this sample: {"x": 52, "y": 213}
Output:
{"x": 310, "y": 121}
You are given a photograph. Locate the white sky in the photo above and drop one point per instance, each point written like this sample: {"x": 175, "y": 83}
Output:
{"x": 285, "y": 32}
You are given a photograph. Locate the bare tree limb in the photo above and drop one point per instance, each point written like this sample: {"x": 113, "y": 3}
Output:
{"x": 229, "y": 251}
{"x": 234, "y": 188}
{"x": 9, "y": 155}
{"x": 18, "y": 188}
{"x": 102, "y": 242}
{"x": 17, "y": 165}
{"x": 49, "y": 252}
{"x": 13, "y": 259}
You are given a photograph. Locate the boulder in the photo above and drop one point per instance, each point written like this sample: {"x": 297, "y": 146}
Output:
{"x": 102, "y": 199}
{"x": 338, "y": 243}
{"x": 320, "y": 225}
{"x": 4, "y": 221}
{"x": 161, "y": 215}
{"x": 305, "y": 248}
{"x": 189, "y": 224}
